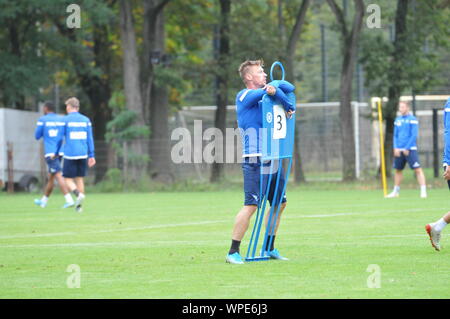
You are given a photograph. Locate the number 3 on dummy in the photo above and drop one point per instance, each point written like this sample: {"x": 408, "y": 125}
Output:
{"x": 279, "y": 122}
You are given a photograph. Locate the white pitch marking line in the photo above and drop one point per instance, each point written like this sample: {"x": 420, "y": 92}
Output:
{"x": 111, "y": 230}
{"x": 116, "y": 244}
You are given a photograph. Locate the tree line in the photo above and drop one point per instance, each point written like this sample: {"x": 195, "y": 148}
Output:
{"x": 133, "y": 63}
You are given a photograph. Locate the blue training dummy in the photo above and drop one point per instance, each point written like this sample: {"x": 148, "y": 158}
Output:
{"x": 282, "y": 88}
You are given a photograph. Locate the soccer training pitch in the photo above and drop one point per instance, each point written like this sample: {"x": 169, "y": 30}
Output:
{"x": 173, "y": 245}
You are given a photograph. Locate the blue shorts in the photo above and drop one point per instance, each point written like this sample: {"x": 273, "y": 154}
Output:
{"x": 54, "y": 165}
{"x": 251, "y": 168}
{"x": 75, "y": 168}
{"x": 412, "y": 159}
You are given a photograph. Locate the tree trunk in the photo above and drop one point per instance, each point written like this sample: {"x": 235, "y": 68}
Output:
{"x": 158, "y": 107}
{"x": 222, "y": 89}
{"x": 396, "y": 78}
{"x": 299, "y": 175}
{"x": 149, "y": 40}
{"x": 350, "y": 40}
{"x": 346, "y": 119}
{"x": 99, "y": 95}
{"x": 131, "y": 80}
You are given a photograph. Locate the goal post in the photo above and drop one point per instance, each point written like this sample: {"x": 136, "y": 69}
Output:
{"x": 376, "y": 104}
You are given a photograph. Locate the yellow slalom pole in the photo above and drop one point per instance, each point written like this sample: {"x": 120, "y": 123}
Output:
{"x": 383, "y": 163}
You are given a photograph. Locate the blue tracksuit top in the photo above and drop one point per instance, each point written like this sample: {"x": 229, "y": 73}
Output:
{"x": 446, "y": 157}
{"x": 79, "y": 141}
{"x": 51, "y": 128}
{"x": 406, "y": 129}
{"x": 249, "y": 114}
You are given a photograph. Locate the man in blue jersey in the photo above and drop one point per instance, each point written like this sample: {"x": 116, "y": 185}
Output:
{"x": 249, "y": 116}
{"x": 79, "y": 150}
{"x": 405, "y": 149}
{"x": 50, "y": 128}
{"x": 434, "y": 229}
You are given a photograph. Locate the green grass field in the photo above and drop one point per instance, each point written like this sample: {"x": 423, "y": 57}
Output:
{"x": 173, "y": 245}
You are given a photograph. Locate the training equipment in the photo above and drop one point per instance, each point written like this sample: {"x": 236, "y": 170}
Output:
{"x": 277, "y": 144}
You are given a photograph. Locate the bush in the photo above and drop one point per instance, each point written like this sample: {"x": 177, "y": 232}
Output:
{"x": 112, "y": 182}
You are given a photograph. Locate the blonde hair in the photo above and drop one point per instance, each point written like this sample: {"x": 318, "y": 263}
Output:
{"x": 404, "y": 102}
{"x": 73, "y": 102}
{"x": 244, "y": 67}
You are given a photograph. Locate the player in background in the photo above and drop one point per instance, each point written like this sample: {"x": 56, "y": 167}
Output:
{"x": 434, "y": 229}
{"x": 406, "y": 128}
{"x": 79, "y": 150}
{"x": 249, "y": 116}
{"x": 50, "y": 128}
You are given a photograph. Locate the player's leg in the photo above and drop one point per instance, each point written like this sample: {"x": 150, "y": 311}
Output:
{"x": 275, "y": 218}
{"x": 421, "y": 180}
{"x": 42, "y": 202}
{"x": 434, "y": 230}
{"x": 274, "y": 231}
{"x": 251, "y": 173}
{"x": 79, "y": 180}
{"x": 399, "y": 165}
{"x": 52, "y": 169}
{"x": 74, "y": 172}
{"x": 50, "y": 185}
{"x": 65, "y": 190}
{"x": 70, "y": 171}
{"x": 273, "y": 222}
{"x": 398, "y": 177}
{"x": 413, "y": 161}
{"x": 70, "y": 183}
{"x": 241, "y": 224}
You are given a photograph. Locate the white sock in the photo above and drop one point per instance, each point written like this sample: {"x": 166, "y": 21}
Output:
{"x": 396, "y": 189}
{"x": 44, "y": 199}
{"x": 81, "y": 196}
{"x": 439, "y": 225}
{"x": 423, "y": 188}
{"x": 68, "y": 198}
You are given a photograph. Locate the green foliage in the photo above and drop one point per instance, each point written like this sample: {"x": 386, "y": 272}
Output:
{"x": 420, "y": 66}
{"x": 32, "y": 50}
{"x": 122, "y": 128}
{"x": 121, "y": 132}
{"x": 112, "y": 182}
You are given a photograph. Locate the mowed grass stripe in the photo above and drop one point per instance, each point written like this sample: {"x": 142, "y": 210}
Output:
{"x": 173, "y": 245}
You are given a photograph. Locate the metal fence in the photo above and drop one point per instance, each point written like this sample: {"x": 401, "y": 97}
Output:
{"x": 319, "y": 142}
